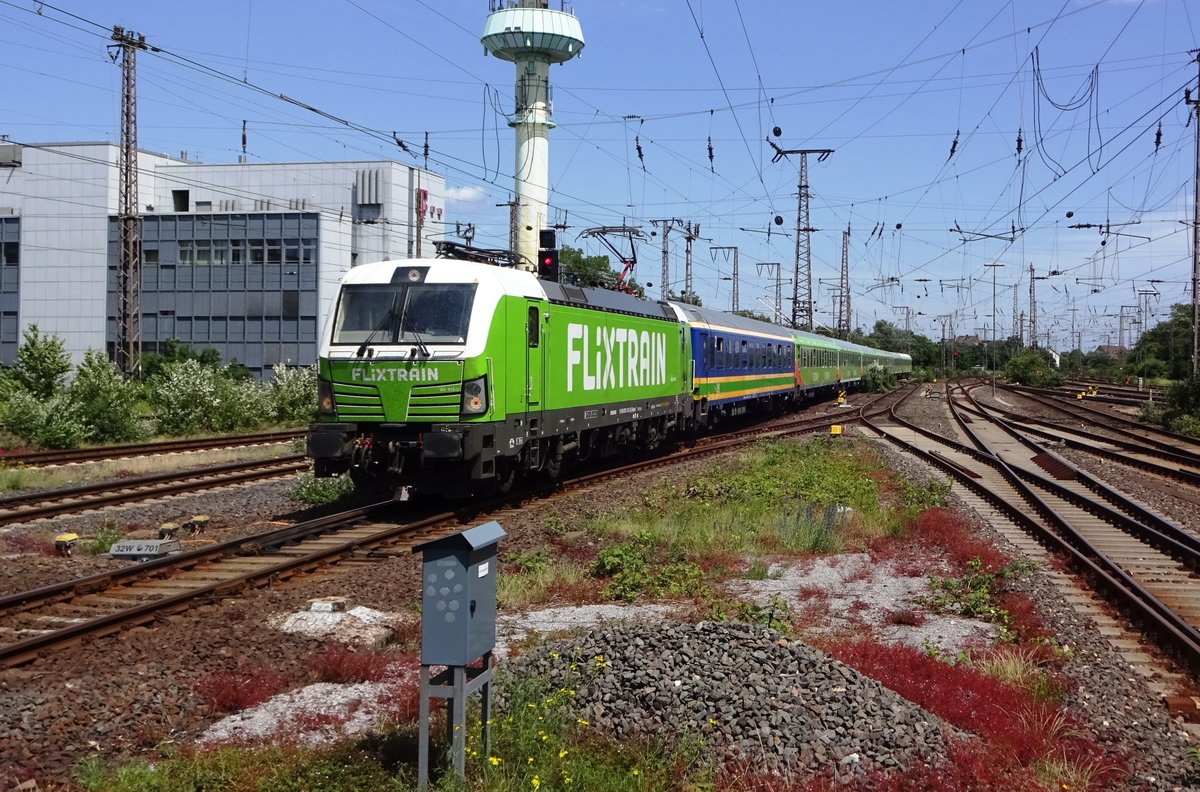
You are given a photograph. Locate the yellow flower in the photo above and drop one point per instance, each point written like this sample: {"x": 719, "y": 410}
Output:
{"x": 635, "y": 771}
{"x": 495, "y": 760}
{"x": 562, "y": 753}
{"x": 581, "y": 720}
{"x": 536, "y": 782}
{"x": 554, "y": 654}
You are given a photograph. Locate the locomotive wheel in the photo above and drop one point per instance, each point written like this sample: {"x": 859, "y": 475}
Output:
{"x": 506, "y": 475}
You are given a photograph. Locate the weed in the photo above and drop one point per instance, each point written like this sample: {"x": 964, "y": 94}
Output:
{"x": 529, "y": 561}
{"x": 801, "y": 531}
{"x": 757, "y": 571}
{"x": 1020, "y": 666}
{"x": 555, "y": 525}
{"x": 970, "y": 596}
{"x": 276, "y": 768}
{"x": 928, "y": 494}
{"x": 774, "y": 614}
{"x": 558, "y": 580}
{"x": 319, "y": 491}
{"x": 108, "y": 534}
{"x": 15, "y": 477}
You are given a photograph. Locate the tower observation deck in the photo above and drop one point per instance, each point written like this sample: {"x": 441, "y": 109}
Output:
{"x": 532, "y": 36}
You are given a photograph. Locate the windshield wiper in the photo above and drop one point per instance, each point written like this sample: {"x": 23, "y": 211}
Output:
{"x": 387, "y": 320}
{"x": 424, "y": 350}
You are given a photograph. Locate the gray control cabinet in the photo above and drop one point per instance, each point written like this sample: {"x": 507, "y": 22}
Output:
{"x": 458, "y": 602}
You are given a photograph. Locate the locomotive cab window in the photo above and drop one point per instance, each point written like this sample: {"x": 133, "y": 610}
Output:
{"x": 437, "y": 313}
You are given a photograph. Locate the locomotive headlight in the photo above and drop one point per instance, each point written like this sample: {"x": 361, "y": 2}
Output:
{"x": 325, "y": 403}
{"x": 474, "y": 396}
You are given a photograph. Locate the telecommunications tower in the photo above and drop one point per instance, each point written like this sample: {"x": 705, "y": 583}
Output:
{"x": 532, "y": 36}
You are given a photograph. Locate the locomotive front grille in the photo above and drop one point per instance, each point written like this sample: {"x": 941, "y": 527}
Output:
{"x": 435, "y": 401}
{"x": 357, "y": 401}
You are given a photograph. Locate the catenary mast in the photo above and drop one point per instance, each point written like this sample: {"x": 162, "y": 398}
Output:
{"x": 532, "y": 36}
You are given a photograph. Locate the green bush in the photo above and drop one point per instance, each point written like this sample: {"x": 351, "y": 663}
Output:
{"x": 240, "y": 404}
{"x": 190, "y": 397}
{"x": 45, "y": 423}
{"x": 105, "y": 401}
{"x": 877, "y": 380}
{"x": 294, "y": 393}
{"x": 41, "y": 364}
{"x": 319, "y": 491}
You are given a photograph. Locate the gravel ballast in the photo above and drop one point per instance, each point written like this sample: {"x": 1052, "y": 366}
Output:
{"x": 756, "y": 696}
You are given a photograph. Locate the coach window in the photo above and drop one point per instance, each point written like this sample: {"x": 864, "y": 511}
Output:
{"x": 532, "y": 326}
{"x": 707, "y": 345}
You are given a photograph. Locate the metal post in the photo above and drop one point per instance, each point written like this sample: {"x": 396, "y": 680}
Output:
{"x": 1196, "y": 231}
{"x": 128, "y": 347}
{"x": 994, "y": 265}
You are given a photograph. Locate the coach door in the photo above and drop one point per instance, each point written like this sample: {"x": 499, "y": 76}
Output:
{"x": 535, "y": 368}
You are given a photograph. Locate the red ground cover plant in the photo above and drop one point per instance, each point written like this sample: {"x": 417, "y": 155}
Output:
{"x": 231, "y": 692}
{"x": 943, "y": 529}
{"x": 1017, "y": 730}
{"x": 30, "y": 544}
{"x": 1023, "y": 617}
{"x": 343, "y": 665}
{"x": 970, "y": 766}
{"x": 908, "y": 617}
{"x": 400, "y": 704}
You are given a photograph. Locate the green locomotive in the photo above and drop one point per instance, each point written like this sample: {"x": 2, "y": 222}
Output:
{"x": 453, "y": 377}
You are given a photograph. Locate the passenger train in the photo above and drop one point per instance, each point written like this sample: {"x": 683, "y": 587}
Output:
{"x": 456, "y": 377}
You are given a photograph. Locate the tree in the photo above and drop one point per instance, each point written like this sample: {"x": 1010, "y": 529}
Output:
{"x": 593, "y": 271}
{"x": 1033, "y": 367}
{"x": 687, "y": 298}
{"x": 175, "y": 351}
{"x": 41, "y": 364}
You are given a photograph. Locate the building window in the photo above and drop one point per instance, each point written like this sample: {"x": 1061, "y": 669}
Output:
{"x": 291, "y": 305}
{"x": 150, "y": 256}
{"x": 12, "y": 253}
{"x": 180, "y": 199}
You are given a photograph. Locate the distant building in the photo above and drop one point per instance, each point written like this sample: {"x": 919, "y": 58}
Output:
{"x": 1112, "y": 351}
{"x": 243, "y": 258}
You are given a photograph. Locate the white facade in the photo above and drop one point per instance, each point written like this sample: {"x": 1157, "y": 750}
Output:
{"x": 65, "y": 195}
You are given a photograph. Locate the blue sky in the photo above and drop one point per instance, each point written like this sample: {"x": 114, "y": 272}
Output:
{"x": 892, "y": 87}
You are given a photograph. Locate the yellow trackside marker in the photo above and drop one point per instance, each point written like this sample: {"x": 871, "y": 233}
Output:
{"x": 835, "y": 430}
{"x": 1079, "y": 395}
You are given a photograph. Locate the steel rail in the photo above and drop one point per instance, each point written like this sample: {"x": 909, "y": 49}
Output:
{"x": 61, "y": 457}
{"x": 126, "y": 490}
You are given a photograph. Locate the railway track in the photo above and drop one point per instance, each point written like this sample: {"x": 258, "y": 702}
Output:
{"x": 1170, "y": 457}
{"x": 53, "y": 617}
{"x": 51, "y": 503}
{"x": 1141, "y": 562}
{"x": 57, "y": 616}
{"x": 64, "y": 457}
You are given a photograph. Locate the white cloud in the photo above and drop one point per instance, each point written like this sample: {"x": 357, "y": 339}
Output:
{"x": 466, "y": 196}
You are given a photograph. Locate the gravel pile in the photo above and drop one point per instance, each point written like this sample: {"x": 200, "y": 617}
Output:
{"x": 780, "y": 704}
